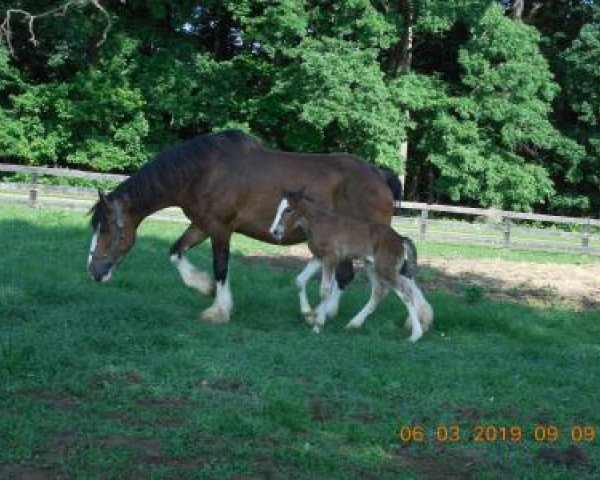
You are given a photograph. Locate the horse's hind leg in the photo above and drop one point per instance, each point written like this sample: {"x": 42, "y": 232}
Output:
{"x": 378, "y": 292}
{"x": 309, "y": 271}
{"x": 191, "y": 276}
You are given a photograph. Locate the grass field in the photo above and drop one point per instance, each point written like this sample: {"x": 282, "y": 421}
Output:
{"x": 121, "y": 379}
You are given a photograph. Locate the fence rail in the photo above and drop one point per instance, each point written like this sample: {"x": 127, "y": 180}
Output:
{"x": 494, "y": 227}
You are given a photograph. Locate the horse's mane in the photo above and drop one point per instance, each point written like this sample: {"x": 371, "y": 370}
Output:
{"x": 173, "y": 169}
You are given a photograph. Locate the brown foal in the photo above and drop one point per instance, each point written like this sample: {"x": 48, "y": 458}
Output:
{"x": 333, "y": 238}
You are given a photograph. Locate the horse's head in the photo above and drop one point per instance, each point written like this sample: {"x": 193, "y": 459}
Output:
{"x": 114, "y": 234}
{"x": 289, "y": 213}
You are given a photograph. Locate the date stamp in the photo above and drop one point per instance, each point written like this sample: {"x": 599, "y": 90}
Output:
{"x": 491, "y": 433}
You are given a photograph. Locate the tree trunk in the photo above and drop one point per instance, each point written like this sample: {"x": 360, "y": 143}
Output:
{"x": 403, "y": 65}
{"x": 517, "y": 9}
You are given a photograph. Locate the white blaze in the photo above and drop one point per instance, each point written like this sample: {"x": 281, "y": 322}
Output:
{"x": 93, "y": 245}
{"x": 282, "y": 206}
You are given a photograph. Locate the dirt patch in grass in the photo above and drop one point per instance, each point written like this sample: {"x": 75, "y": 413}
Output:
{"x": 446, "y": 463}
{"x": 323, "y": 410}
{"x": 126, "y": 418}
{"x": 225, "y": 384}
{"x": 128, "y": 377}
{"x": 22, "y": 471}
{"x": 577, "y": 286}
{"x": 146, "y": 451}
{"x": 165, "y": 402}
{"x": 57, "y": 401}
{"x": 364, "y": 414}
{"x": 572, "y": 456}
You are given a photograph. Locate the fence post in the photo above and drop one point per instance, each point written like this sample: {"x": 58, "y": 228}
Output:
{"x": 33, "y": 190}
{"x": 423, "y": 223}
{"x": 506, "y": 231}
{"x": 585, "y": 237}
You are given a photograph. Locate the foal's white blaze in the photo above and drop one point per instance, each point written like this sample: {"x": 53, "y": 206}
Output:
{"x": 93, "y": 245}
{"x": 280, "y": 209}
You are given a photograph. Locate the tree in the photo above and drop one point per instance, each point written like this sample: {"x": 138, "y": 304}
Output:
{"x": 582, "y": 80}
{"x": 489, "y": 140}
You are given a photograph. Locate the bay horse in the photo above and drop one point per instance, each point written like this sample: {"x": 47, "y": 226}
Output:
{"x": 390, "y": 259}
{"x": 228, "y": 182}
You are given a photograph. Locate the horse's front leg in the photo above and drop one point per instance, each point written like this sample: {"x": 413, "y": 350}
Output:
{"x": 191, "y": 276}
{"x": 309, "y": 271}
{"x": 327, "y": 281}
{"x": 220, "y": 310}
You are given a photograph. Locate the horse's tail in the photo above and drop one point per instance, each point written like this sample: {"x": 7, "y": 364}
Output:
{"x": 394, "y": 183}
{"x": 409, "y": 266}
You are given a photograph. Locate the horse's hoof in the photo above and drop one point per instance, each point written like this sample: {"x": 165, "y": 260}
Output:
{"x": 316, "y": 329}
{"x": 214, "y": 315}
{"x": 309, "y": 317}
{"x": 408, "y": 324}
{"x": 413, "y": 338}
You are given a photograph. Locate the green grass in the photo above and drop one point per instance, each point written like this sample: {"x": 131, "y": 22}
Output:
{"x": 121, "y": 380}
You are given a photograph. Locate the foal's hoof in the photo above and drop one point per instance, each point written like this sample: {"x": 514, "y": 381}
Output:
{"x": 408, "y": 324}
{"x": 310, "y": 317}
{"x": 353, "y": 325}
{"x": 332, "y": 310}
{"x": 214, "y": 315}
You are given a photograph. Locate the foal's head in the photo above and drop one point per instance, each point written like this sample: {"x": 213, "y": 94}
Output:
{"x": 290, "y": 212}
{"x": 114, "y": 235}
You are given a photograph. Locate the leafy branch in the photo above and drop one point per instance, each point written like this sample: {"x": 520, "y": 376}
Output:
{"x": 6, "y": 31}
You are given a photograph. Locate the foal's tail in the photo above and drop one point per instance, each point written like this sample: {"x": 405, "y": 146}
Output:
{"x": 409, "y": 266}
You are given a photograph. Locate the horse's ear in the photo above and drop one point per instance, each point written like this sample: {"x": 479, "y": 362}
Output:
{"x": 102, "y": 197}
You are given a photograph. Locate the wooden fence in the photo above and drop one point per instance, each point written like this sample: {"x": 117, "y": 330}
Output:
{"x": 437, "y": 223}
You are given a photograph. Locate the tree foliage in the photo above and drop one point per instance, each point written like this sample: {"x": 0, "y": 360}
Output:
{"x": 497, "y": 111}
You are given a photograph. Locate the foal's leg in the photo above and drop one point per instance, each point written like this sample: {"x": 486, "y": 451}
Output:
{"x": 220, "y": 310}
{"x": 424, "y": 310}
{"x": 191, "y": 276}
{"x": 378, "y": 292}
{"x": 309, "y": 271}
{"x": 327, "y": 281}
{"x": 408, "y": 292}
{"x": 344, "y": 273}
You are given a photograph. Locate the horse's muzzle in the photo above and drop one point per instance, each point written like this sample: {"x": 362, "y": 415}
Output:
{"x": 100, "y": 271}
{"x": 277, "y": 233}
